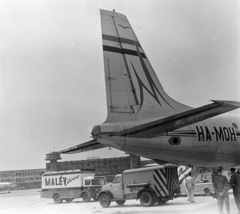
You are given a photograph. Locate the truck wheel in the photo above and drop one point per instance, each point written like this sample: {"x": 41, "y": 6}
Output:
{"x": 207, "y": 191}
{"x": 120, "y": 202}
{"x": 104, "y": 200}
{"x": 146, "y": 199}
{"x": 69, "y": 200}
{"x": 57, "y": 199}
{"x": 86, "y": 197}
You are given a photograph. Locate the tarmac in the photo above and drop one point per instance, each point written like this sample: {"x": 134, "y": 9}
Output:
{"x": 29, "y": 202}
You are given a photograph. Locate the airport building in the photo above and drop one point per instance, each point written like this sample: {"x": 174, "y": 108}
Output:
{"x": 23, "y": 179}
{"x": 107, "y": 167}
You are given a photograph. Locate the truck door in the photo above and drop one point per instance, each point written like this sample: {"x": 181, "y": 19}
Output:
{"x": 117, "y": 187}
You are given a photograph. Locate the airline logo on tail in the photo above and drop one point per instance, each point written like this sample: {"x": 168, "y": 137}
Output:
{"x": 123, "y": 26}
{"x": 154, "y": 89}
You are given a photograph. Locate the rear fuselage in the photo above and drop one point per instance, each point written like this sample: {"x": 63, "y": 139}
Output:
{"x": 208, "y": 143}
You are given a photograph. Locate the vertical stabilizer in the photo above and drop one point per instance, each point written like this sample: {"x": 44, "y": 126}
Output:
{"x": 133, "y": 89}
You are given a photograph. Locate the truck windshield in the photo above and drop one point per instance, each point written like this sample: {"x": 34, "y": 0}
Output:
{"x": 98, "y": 181}
{"x": 117, "y": 179}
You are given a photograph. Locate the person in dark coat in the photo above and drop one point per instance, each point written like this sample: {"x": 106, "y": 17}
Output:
{"x": 220, "y": 185}
{"x": 214, "y": 173}
{"x": 235, "y": 185}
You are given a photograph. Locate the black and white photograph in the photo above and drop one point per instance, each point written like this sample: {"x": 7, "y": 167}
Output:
{"x": 119, "y": 106}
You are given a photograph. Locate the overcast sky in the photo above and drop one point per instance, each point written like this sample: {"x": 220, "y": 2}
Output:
{"x": 52, "y": 89}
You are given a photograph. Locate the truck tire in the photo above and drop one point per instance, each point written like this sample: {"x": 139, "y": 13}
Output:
{"x": 120, "y": 202}
{"x": 69, "y": 200}
{"x": 57, "y": 199}
{"x": 104, "y": 200}
{"x": 86, "y": 197}
{"x": 146, "y": 199}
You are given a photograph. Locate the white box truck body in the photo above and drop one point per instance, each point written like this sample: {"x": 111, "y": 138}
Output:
{"x": 149, "y": 184}
{"x": 68, "y": 185}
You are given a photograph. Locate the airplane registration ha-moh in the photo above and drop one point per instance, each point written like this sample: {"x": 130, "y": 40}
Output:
{"x": 144, "y": 120}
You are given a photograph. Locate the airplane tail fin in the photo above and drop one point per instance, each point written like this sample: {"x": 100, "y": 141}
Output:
{"x": 133, "y": 89}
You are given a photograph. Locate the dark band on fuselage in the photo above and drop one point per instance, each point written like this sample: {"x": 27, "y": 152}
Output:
{"x": 122, "y": 51}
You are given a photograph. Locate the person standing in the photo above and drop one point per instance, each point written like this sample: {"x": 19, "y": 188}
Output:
{"x": 189, "y": 184}
{"x": 220, "y": 185}
{"x": 214, "y": 173}
{"x": 184, "y": 183}
{"x": 235, "y": 185}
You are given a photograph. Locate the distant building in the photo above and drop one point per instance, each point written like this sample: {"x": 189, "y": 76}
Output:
{"x": 24, "y": 179}
{"x": 108, "y": 167}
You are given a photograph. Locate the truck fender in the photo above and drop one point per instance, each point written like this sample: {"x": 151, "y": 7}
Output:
{"x": 154, "y": 194}
{"x": 108, "y": 193}
{"x": 85, "y": 190}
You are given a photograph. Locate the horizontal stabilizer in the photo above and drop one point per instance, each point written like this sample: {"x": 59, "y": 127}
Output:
{"x": 164, "y": 125}
{"x": 83, "y": 147}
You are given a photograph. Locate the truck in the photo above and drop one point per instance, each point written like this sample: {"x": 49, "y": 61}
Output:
{"x": 149, "y": 184}
{"x": 68, "y": 185}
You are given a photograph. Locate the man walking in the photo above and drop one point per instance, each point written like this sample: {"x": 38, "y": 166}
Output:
{"x": 235, "y": 185}
{"x": 189, "y": 184}
{"x": 220, "y": 185}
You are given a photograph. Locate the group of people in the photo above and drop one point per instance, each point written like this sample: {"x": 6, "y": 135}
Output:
{"x": 221, "y": 185}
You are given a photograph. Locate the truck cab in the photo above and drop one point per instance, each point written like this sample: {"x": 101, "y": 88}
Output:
{"x": 91, "y": 187}
{"x": 112, "y": 192}
{"x": 94, "y": 181}
{"x": 115, "y": 188}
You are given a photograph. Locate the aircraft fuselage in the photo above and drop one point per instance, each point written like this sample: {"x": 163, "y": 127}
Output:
{"x": 142, "y": 119}
{"x": 209, "y": 143}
